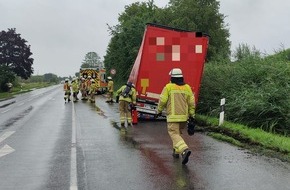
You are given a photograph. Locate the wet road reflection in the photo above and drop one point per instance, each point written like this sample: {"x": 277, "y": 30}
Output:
{"x": 212, "y": 165}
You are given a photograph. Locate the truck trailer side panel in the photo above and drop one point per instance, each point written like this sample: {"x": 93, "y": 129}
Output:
{"x": 162, "y": 49}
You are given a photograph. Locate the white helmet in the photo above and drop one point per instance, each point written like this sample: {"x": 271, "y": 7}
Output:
{"x": 176, "y": 72}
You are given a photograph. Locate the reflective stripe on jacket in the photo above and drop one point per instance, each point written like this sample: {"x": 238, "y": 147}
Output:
{"x": 179, "y": 102}
{"x": 130, "y": 98}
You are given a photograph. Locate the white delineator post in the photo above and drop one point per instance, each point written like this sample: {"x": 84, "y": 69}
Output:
{"x": 222, "y": 111}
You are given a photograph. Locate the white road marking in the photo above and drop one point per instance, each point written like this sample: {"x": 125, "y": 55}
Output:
{"x": 6, "y": 111}
{"x": 73, "y": 162}
{"x": 6, "y": 150}
{"x": 6, "y": 135}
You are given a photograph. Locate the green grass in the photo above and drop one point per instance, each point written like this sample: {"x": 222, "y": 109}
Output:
{"x": 26, "y": 87}
{"x": 225, "y": 138}
{"x": 237, "y": 133}
{"x": 268, "y": 140}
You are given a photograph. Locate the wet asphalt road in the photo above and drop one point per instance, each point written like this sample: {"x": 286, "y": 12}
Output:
{"x": 46, "y": 144}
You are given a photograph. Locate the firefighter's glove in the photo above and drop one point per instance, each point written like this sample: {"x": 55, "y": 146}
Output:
{"x": 132, "y": 106}
{"x": 190, "y": 126}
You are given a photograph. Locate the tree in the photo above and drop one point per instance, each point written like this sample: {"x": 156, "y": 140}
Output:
{"x": 50, "y": 77}
{"x": 203, "y": 16}
{"x": 15, "y": 54}
{"x": 92, "y": 60}
{"x": 244, "y": 51}
{"x": 127, "y": 37}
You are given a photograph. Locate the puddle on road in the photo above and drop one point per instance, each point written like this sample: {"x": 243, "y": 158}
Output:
{"x": 126, "y": 135}
{"x": 98, "y": 110}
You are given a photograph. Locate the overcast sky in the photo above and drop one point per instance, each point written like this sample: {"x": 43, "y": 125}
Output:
{"x": 61, "y": 32}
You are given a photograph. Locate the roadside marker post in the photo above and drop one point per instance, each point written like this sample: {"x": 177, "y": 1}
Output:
{"x": 222, "y": 111}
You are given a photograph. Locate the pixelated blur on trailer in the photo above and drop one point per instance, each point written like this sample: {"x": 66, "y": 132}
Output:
{"x": 162, "y": 49}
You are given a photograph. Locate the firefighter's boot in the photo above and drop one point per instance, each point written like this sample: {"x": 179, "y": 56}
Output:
{"x": 174, "y": 154}
{"x": 185, "y": 154}
{"x": 123, "y": 128}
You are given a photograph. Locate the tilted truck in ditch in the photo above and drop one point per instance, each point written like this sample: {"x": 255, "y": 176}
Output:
{"x": 162, "y": 49}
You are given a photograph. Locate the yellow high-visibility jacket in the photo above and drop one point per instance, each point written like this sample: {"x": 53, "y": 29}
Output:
{"x": 111, "y": 86}
{"x": 130, "y": 98}
{"x": 179, "y": 102}
{"x": 93, "y": 88}
{"x": 75, "y": 86}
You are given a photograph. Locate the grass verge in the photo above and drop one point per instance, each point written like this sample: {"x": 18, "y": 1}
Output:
{"x": 255, "y": 139}
{"x": 24, "y": 87}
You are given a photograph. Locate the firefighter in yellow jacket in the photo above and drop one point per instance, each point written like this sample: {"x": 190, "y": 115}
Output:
{"x": 127, "y": 96}
{"x": 92, "y": 90}
{"x": 83, "y": 88}
{"x": 66, "y": 89}
{"x": 110, "y": 90}
{"x": 75, "y": 89}
{"x": 178, "y": 99}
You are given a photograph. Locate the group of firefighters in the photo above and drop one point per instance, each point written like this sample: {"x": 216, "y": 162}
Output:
{"x": 88, "y": 88}
{"x": 176, "y": 97}
{"x": 125, "y": 96}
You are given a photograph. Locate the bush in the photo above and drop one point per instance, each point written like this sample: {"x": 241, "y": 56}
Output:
{"x": 6, "y": 76}
{"x": 256, "y": 91}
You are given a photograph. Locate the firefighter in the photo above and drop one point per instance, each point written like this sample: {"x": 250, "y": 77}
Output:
{"x": 178, "y": 99}
{"x": 88, "y": 83}
{"x": 127, "y": 96}
{"x": 83, "y": 88}
{"x": 110, "y": 89}
{"x": 92, "y": 91}
{"x": 66, "y": 89}
{"x": 75, "y": 89}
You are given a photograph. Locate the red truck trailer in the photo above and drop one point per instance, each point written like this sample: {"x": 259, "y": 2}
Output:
{"x": 164, "y": 48}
